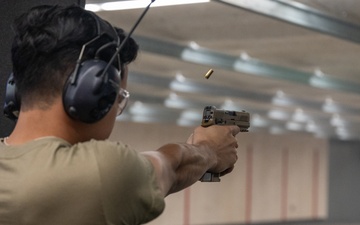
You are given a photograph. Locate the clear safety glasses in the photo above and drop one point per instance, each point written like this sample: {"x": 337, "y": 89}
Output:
{"x": 123, "y": 100}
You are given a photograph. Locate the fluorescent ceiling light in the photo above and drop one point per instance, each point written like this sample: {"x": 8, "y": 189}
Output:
{"x": 122, "y": 5}
{"x": 258, "y": 121}
{"x": 311, "y": 126}
{"x": 294, "y": 126}
{"x": 278, "y": 114}
{"x": 300, "y": 116}
{"x": 337, "y": 121}
{"x": 192, "y": 115}
{"x": 276, "y": 130}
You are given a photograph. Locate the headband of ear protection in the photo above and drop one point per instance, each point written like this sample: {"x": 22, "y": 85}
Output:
{"x": 91, "y": 90}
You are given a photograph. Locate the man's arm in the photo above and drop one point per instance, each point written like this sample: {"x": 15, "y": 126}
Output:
{"x": 180, "y": 165}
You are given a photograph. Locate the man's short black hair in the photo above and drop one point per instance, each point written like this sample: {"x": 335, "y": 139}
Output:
{"x": 47, "y": 44}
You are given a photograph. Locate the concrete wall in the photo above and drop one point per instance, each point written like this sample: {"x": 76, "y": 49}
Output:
{"x": 344, "y": 185}
{"x": 344, "y": 181}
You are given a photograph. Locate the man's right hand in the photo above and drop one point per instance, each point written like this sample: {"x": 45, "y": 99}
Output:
{"x": 208, "y": 149}
{"x": 221, "y": 143}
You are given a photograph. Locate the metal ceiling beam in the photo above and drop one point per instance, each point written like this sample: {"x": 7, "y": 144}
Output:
{"x": 251, "y": 66}
{"x": 301, "y": 15}
{"x": 197, "y": 87}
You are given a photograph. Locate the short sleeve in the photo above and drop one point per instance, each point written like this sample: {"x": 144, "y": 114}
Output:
{"x": 129, "y": 191}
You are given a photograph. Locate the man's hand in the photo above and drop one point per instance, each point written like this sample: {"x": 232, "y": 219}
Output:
{"x": 179, "y": 165}
{"x": 221, "y": 144}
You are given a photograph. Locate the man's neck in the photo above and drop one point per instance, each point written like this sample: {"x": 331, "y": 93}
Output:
{"x": 37, "y": 123}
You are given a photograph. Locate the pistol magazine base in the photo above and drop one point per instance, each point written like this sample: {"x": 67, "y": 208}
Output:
{"x": 210, "y": 177}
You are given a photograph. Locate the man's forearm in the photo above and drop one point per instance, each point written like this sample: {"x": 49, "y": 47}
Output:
{"x": 180, "y": 165}
{"x": 211, "y": 149}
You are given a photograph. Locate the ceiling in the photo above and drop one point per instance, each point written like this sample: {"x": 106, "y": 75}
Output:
{"x": 293, "y": 65}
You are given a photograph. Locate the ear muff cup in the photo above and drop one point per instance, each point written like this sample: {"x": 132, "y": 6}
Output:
{"x": 93, "y": 93}
{"x": 12, "y": 100}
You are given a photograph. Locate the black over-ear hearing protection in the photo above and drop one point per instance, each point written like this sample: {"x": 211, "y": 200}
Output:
{"x": 91, "y": 89}
{"x": 12, "y": 101}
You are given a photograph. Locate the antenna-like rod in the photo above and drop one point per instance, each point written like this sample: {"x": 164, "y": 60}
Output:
{"x": 126, "y": 38}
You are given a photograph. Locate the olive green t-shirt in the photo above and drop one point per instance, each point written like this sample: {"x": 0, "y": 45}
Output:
{"x": 48, "y": 181}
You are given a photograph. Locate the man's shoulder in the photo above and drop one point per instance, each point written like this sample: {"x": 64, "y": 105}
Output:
{"x": 102, "y": 146}
{"x": 107, "y": 152}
